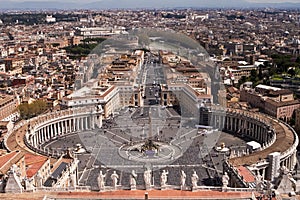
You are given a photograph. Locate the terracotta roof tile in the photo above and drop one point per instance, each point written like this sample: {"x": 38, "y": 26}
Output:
{"x": 5, "y": 158}
{"x": 33, "y": 163}
{"x": 247, "y": 175}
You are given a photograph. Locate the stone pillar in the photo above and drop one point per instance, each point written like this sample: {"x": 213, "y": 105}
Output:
{"x": 255, "y": 131}
{"x": 86, "y": 123}
{"x": 74, "y": 124}
{"x": 294, "y": 160}
{"x": 62, "y": 127}
{"x": 260, "y": 133}
{"x": 37, "y": 139}
{"x": 92, "y": 120}
{"x": 81, "y": 123}
{"x": 44, "y": 134}
{"x": 55, "y": 129}
{"x": 264, "y": 173}
{"x": 40, "y": 134}
{"x": 70, "y": 126}
{"x": 59, "y": 128}
{"x": 240, "y": 125}
{"x": 252, "y": 129}
{"x": 42, "y": 137}
{"x": 77, "y": 124}
{"x": 48, "y": 131}
{"x": 65, "y": 126}
{"x": 33, "y": 141}
{"x": 237, "y": 121}
{"x": 43, "y": 131}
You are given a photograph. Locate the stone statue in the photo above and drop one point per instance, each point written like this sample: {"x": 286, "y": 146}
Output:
{"x": 259, "y": 182}
{"x": 133, "y": 177}
{"x": 164, "y": 178}
{"x": 114, "y": 178}
{"x": 38, "y": 180}
{"x": 72, "y": 180}
{"x": 28, "y": 184}
{"x": 101, "y": 180}
{"x": 182, "y": 178}
{"x": 225, "y": 180}
{"x": 147, "y": 178}
{"x": 269, "y": 188}
{"x": 283, "y": 170}
{"x": 195, "y": 179}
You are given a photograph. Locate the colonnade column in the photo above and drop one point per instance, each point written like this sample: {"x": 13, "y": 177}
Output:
{"x": 74, "y": 124}
{"x": 92, "y": 122}
{"x": 81, "y": 123}
{"x": 42, "y": 136}
{"x": 59, "y": 128}
{"x": 86, "y": 123}
{"x": 55, "y": 129}
{"x": 77, "y": 124}
{"x": 70, "y": 125}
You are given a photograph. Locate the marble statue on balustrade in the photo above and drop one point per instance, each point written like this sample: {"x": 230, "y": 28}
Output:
{"x": 147, "y": 178}
{"x": 72, "y": 180}
{"x": 3, "y": 183}
{"x": 29, "y": 184}
{"x": 182, "y": 179}
{"x": 225, "y": 182}
{"x": 269, "y": 188}
{"x": 38, "y": 180}
{"x": 259, "y": 182}
{"x": 195, "y": 179}
{"x": 114, "y": 177}
{"x": 164, "y": 178}
{"x": 101, "y": 180}
{"x": 133, "y": 177}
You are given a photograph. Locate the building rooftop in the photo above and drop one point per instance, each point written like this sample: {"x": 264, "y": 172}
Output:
{"x": 266, "y": 87}
{"x": 33, "y": 163}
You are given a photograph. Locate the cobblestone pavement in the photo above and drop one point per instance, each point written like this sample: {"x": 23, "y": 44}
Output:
{"x": 129, "y": 127}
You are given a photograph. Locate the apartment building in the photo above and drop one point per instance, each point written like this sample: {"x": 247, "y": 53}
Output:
{"x": 277, "y": 102}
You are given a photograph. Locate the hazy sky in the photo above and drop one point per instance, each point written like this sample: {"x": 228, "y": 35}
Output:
{"x": 256, "y": 1}
{"x": 274, "y": 1}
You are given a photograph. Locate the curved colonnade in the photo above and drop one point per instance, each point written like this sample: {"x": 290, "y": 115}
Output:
{"x": 273, "y": 135}
{"x": 278, "y": 142}
{"x": 51, "y": 126}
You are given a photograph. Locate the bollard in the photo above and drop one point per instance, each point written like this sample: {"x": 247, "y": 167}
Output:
{"x": 146, "y": 195}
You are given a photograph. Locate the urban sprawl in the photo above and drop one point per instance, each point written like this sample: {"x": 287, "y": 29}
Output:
{"x": 131, "y": 103}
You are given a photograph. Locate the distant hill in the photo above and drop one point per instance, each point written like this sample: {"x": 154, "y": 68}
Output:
{"x": 135, "y": 4}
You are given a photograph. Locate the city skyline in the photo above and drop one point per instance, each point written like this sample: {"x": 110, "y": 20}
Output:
{"x": 196, "y": 1}
{"x": 130, "y": 4}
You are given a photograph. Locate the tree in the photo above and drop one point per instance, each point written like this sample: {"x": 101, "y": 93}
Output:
{"x": 242, "y": 80}
{"x": 260, "y": 74}
{"x": 292, "y": 72}
{"x": 28, "y": 111}
{"x": 253, "y": 75}
{"x": 24, "y": 110}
